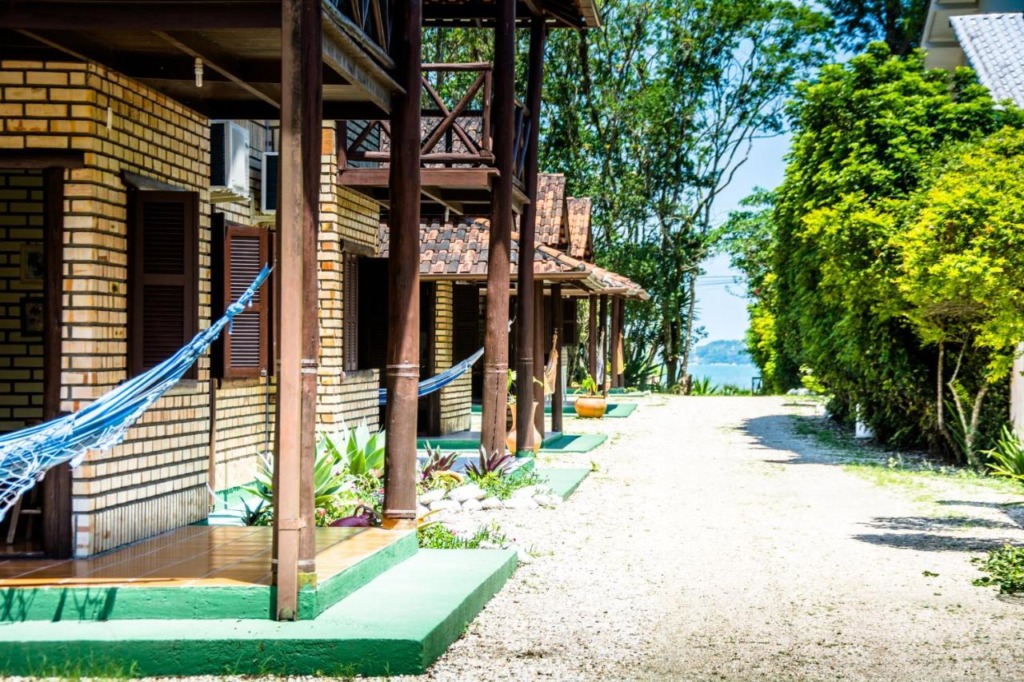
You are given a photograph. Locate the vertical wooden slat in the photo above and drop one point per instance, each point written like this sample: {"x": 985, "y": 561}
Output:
{"x": 615, "y": 341}
{"x": 58, "y": 536}
{"x": 592, "y": 336}
{"x": 602, "y": 352}
{"x": 558, "y": 322}
{"x": 403, "y": 292}
{"x": 530, "y": 354}
{"x": 492, "y": 431}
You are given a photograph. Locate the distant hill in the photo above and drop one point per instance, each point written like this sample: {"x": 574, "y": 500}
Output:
{"x": 723, "y": 353}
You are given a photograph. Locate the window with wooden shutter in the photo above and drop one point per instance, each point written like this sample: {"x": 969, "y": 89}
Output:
{"x": 239, "y": 253}
{"x": 163, "y": 306}
{"x": 350, "y": 313}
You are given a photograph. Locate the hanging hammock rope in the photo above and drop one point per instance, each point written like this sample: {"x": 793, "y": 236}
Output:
{"x": 436, "y": 383}
{"x": 26, "y": 455}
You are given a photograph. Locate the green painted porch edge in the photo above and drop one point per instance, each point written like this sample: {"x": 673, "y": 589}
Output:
{"x": 615, "y": 410}
{"x": 398, "y": 624}
{"x": 20, "y": 604}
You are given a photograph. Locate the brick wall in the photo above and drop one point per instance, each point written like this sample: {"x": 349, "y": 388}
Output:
{"x": 21, "y": 291}
{"x": 457, "y": 397}
{"x": 156, "y": 480}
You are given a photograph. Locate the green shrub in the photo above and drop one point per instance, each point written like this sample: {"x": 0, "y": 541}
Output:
{"x": 1005, "y": 568}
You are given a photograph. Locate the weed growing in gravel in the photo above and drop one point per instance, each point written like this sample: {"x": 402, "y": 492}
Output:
{"x": 440, "y": 536}
{"x": 502, "y": 486}
{"x": 1005, "y": 568}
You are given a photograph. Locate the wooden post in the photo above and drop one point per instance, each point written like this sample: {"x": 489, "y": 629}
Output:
{"x": 492, "y": 436}
{"x": 58, "y": 535}
{"x": 602, "y": 336}
{"x": 301, "y": 92}
{"x": 559, "y": 325}
{"x": 539, "y": 342}
{"x": 526, "y": 308}
{"x": 616, "y": 339}
{"x": 620, "y": 348}
{"x": 592, "y": 336}
{"x": 403, "y": 353}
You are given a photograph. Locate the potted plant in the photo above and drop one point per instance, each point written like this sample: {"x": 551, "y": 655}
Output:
{"x": 591, "y": 404}
{"x": 510, "y": 438}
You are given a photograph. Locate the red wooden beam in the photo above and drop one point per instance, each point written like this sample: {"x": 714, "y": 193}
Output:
{"x": 167, "y": 15}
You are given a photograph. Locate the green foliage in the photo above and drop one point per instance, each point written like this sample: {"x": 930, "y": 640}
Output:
{"x": 863, "y": 158}
{"x": 1007, "y": 457}
{"x": 1005, "y": 568}
{"x": 898, "y": 23}
{"x": 357, "y": 450}
{"x": 703, "y": 386}
{"x": 494, "y": 464}
{"x": 502, "y": 486}
{"x": 439, "y": 536}
{"x": 589, "y": 386}
{"x": 437, "y": 462}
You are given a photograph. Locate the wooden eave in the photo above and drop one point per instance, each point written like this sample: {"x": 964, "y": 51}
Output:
{"x": 460, "y": 190}
{"x": 577, "y": 14}
{"x": 157, "y": 42}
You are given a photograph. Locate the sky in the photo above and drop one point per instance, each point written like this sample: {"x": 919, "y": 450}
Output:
{"x": 721, "y": 305}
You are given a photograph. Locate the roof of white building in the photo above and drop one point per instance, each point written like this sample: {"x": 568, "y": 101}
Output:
{"x": 994, "y": 45}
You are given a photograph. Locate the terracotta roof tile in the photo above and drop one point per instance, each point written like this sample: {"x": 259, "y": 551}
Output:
{"x": 581, "y": 243}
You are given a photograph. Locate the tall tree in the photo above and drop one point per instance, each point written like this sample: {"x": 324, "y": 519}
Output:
{"x": 897, "y": 23}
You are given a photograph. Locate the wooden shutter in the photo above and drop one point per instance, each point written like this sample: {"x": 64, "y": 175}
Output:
{"x": 163, "y": 306}
{"x": 570, "y": 327}
{"x": 350, "y": 313}
{"x": 466, "y": 316}
{"x": 373, "y": 312}
{"x": 247, "y": 347}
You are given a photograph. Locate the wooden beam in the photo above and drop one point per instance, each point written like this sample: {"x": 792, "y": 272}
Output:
{"x": 298, "y": 213}
{"x": 526, "y": 300}
{"x": 39, "y": 159}
{"x": 539, "y": 342}
{"x": 602, "y": 336}
{"x": 592, "y": 336}
{"x": 492, "y": 432}
{"x": 170, "y": 15}
{"x": 558, "y": 322}
{"x": 403, "y": 351}
{"x": 616, "y": 340}
{"x": 214, "y": 58}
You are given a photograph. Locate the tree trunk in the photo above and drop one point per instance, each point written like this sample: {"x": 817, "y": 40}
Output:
{"x": 691, "y": 311}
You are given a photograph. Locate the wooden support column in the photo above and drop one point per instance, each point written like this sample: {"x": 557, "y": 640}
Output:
{"x": 403, "y": 352}
{"x": 602, "y": 335}
{"x": 527, "y": 309}
{"x": 558, "y": 323}
{"x": 616, "y": 340}
{"x": 620, "y": 350}
{"x": 492, "y": 436}
{"x": 539, "y": 341}
{"x": 58, "y": 535}
{"x": 592, "y": 336}
{"x": 301, "y": 97}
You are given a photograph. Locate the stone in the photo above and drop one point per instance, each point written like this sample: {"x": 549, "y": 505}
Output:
{"x": 491, "y": 503}
{"x": 472, "y": 504}
{"x": 527, "y": 492}
{"x": 421, "y": 511}
{"x": 545, "y": 500}
{"x": 467, "y": 492}
{"x": 520, "y": 503}
{"x": 445, "y": 505}
{"x": 431, "y": 496}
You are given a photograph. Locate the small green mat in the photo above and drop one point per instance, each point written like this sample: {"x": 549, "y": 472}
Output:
{"x": 564, "y": 482}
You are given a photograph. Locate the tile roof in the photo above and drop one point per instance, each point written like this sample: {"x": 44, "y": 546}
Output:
{"x": 994, "y": 45}
{"x": 551, "y": 210}
{"x": 580, "y": 237}
{"x": 460, "y": 249}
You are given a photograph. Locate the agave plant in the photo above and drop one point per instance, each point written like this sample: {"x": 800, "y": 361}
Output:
{"x": 357, "y": 451}
{"x": 1007, "y": 458}
{"x": 496, "y": 463}
{"x": 327, "y": 482}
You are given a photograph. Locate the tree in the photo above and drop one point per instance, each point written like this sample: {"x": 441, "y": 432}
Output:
{"x": 865, "y": 135}
{"x": 654, "y": 114}
{"x": 897, "y": 23}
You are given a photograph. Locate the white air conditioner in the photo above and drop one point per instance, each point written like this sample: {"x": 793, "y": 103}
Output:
{"x": 229, "y": 162}
{"x": 268, "y": 182}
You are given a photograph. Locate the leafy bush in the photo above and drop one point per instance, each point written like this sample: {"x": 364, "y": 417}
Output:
{"x": 1007, "y": 457}
{"x": 502, "y": 486}
{"x": 1005, "y": 568}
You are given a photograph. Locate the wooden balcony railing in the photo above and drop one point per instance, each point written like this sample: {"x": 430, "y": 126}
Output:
{"x": 374, "y": 18}
{"x": 458, "y": 124}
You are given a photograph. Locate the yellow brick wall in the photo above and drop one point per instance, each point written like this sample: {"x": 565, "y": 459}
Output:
{"x": 21, "y": 350}
{"x": 156, "y": 480}
{"x": 456, "y": 398}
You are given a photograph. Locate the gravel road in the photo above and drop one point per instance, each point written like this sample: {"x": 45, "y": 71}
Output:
{"x": 716, "y": 543}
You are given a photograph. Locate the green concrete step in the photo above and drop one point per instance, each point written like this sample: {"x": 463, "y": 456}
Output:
{"x": 563, "y": 482}
{"x": 102, "y": 603}
{"x": 396, "y": 625}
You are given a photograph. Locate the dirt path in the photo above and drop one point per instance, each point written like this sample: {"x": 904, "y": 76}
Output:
{"x": 717, "y": 543}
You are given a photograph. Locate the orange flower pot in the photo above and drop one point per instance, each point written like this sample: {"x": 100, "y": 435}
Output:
{"x": 590, "y": 406}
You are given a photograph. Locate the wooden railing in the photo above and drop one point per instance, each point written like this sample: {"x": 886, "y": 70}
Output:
{"x": 373, "y": 17}
{"x": 458, "y": 126}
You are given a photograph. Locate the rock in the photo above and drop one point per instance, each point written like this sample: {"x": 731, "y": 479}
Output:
{"x": 521, "y": 502}
{"x": 445, "y": 505}
{"x": 547, "y": 500}
{"x": 421, "y": 511}
{"x": 528, "y": 492}
{"x": 471, "y": 504}
{"x": 488, "y": 545}
{"x": 523, "y": 555}
{"x": 467, "y": 492}
{"x": 431, "y": 496}
{"x": 491, "y": 503}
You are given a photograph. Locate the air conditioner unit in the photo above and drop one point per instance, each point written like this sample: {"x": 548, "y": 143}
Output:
{"x": 229, "y": 162}
{"x": 268, "y": 182}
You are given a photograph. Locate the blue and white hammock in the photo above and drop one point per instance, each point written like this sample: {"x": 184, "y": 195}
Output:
{"x": 439, "y": 381}
{"x": 26, "y": 455}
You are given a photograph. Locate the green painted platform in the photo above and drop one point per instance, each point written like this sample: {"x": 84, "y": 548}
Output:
{"x": 103, "y": 603}
{"x": 615, "y": 410}
{"x": 397, "y": 625}
{"x": 554, "y": 443}
{"x": 564, "y": 482}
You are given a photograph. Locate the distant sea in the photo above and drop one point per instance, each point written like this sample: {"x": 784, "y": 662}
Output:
{"x": 722, "y": 375}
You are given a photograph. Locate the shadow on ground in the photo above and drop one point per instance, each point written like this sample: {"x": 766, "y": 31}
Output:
{"x": 783, "y": 433}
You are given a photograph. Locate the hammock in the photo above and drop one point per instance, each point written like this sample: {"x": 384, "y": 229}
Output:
{"x": 551, "y": 369}
{"x": 436, "y": 383}
{"x": 26, "y": 455}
